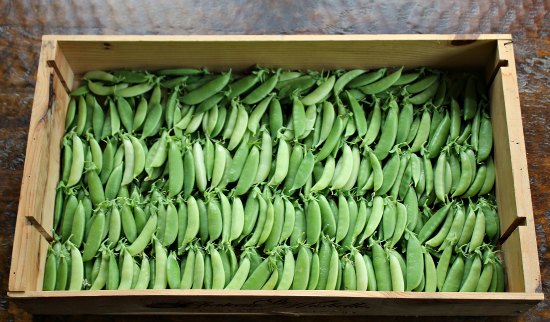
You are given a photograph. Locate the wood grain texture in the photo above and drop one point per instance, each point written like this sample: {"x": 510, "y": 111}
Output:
{"x": 22, "y": 23}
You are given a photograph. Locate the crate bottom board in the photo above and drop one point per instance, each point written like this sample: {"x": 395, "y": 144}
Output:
{"x": 275, "y": 302}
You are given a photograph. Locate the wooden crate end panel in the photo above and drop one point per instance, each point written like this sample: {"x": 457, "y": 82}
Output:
{"x": 23, "y": 270}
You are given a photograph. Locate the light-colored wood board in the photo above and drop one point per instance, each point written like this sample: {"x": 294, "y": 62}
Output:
{"x": 505, "y": 194}
{"x": 522, "y": 188}
{"x": 277, "y": 302}
{"x": 291, "y": 52}
{"x": 62, "y": 69}
{"x": 513, "y": 263}
{"x": 296, "y": 38}
{"x": 515, "y": 132}
{"x": 521, "y": 261}
{"x": 25, "y": 257}
{"x": 529, "y": 258}
{"x": 56, "y": 132}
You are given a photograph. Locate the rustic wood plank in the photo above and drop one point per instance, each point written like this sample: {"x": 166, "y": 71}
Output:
{"x": 295, "y": 303}
{"x": 243, "y": 52}
{"x": 62, "y": 68}
{"x": 25, "y": 260}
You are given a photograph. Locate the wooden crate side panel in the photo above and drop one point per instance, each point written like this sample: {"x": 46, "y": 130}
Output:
{"x": 57, "y": 130}
{"x": 275, "y": 52}
{"x": 278, "y": 302}
{"x": 25, "y": 255}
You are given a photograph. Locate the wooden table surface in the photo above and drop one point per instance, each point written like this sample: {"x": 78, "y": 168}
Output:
{"x": 22, "y": 23}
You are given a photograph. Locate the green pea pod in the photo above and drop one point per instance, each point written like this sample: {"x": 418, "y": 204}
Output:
{"x": 431, "y": 225}
{"x": 489, "y": 181}
{"x": 470, "y": 99}
{"x": 408, "y": 78}
{"x": 78, "y": 225}
{"x": 400, "y": 224}
{"x": 440, "y": 137}
{"x": 247, "y": 179}
{"x": 258, "y": 277}
{"x": 492, "y": 224}
{"x": 444, "y": 230}
{"x": 381, "y": 268}
{"x": 240, "y": 128}
{"x": 389, "y": 218}
{"x": 366, "y": 79}
{"x": 454, "y": 276}
{"x": 188, "y": 172}
{"x": 240, "y": 276}
{"x": 296, "y": 85}
{"x": 423, "y": 132}
{"x": 77, "y": 161}
{"x": 275, "y": 117}
{"x": 389, "y": 132}
{"x": 82, "y": 115}
{"x": 278, "y": 222}
{"x": 298, "y": 118}
{"x": 333, "y": 138}
{"x": 152, "y": 121}
{"x": 443, "y": 266}
{"x": 425, "y": 95}
{"x": 318, "y": 94}
{"x": 186, "y": 281}
{"x": 299, "y": 232}
{"x": 485, "y": 144}
{"x": 304, "y": 171}
{"x": 207, "y": 90}
{"x": 243, "y": 85}
{"x": 390, "y": 173}
{"x": 302, "y": 269}
{"x": 288, "y": 222}
{"x": 415, "y": 263}
{"x": 422, "y": 84}
{"x": 220, "y": 122}
{"x": 261, "y": 91}
{"x": 345, "y": 79}
{"x": 382, "y": 84}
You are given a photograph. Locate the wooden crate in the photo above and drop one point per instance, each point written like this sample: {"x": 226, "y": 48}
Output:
{"x": 64, "y": 59}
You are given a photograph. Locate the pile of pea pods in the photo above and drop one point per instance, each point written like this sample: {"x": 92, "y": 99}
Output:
{"x": 361, "y": 180}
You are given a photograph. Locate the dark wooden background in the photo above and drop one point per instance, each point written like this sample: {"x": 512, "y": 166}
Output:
{"x": 22, "y": 23}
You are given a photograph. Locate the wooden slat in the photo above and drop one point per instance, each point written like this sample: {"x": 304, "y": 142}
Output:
{"x": 59, "y": 111}
{"x": 521, "y": 261}
{"x": 295, "y": 38}
{"x": 306, "y": 52}
{"x": 25, "y": 255}
{"x": 513, "y": 190}
{"x": 276, "y": 302}
{"x": 62, "y": 69}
